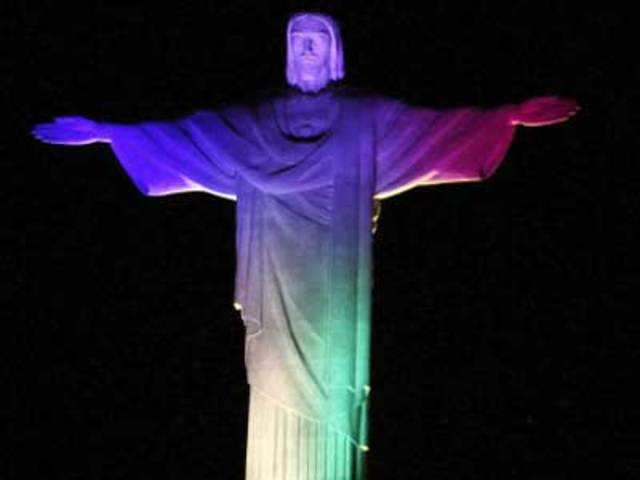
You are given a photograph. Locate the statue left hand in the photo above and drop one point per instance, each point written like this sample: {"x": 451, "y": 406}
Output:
{"x": 540, "y": 111}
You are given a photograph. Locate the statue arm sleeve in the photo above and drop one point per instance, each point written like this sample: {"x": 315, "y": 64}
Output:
{"x": 419, "y": 146}
{"x": 169, "y": 157}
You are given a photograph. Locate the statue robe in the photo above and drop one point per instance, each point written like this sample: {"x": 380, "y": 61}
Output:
{"x": 304, "y": 170}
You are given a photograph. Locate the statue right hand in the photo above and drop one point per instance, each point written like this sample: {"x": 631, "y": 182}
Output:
{"x": 71, "y": 131}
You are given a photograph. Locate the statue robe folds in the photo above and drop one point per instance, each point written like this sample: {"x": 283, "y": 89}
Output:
{"x": 304, "y": 170}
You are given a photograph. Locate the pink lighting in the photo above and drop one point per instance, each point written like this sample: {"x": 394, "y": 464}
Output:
{"x": 304, "y": 169}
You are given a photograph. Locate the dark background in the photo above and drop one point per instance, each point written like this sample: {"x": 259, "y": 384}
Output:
{"x": 503, "y": 339}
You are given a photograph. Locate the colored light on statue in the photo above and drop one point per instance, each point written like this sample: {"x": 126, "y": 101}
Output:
{"x": 305, "y": 168}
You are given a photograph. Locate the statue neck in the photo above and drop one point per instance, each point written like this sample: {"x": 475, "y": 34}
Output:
{"x": 306, "y": 114}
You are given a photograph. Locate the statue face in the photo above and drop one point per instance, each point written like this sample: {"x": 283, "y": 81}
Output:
{"x": 311, "y": 46}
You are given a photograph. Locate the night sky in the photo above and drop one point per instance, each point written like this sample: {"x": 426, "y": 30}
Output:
{"x": 503, "y": 339}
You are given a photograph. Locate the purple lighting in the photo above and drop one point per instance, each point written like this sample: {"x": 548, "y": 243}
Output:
{"x": 304, "y": 169}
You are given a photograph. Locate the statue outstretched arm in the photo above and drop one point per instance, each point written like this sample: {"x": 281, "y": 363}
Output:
{"x": 160, "y": 157}
{"x": 420, "y": 146}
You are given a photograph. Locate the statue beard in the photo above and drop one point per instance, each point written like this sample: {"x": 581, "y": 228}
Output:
{"x": 312, "y": 78}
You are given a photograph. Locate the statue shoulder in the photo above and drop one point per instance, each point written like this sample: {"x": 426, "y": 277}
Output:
{"x": 236, "y": 117}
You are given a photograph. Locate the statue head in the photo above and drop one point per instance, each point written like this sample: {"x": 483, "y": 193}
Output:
{"x": 314, "y": 51}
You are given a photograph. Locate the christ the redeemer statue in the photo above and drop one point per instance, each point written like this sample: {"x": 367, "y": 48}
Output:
{"x": 305, "y": 169}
